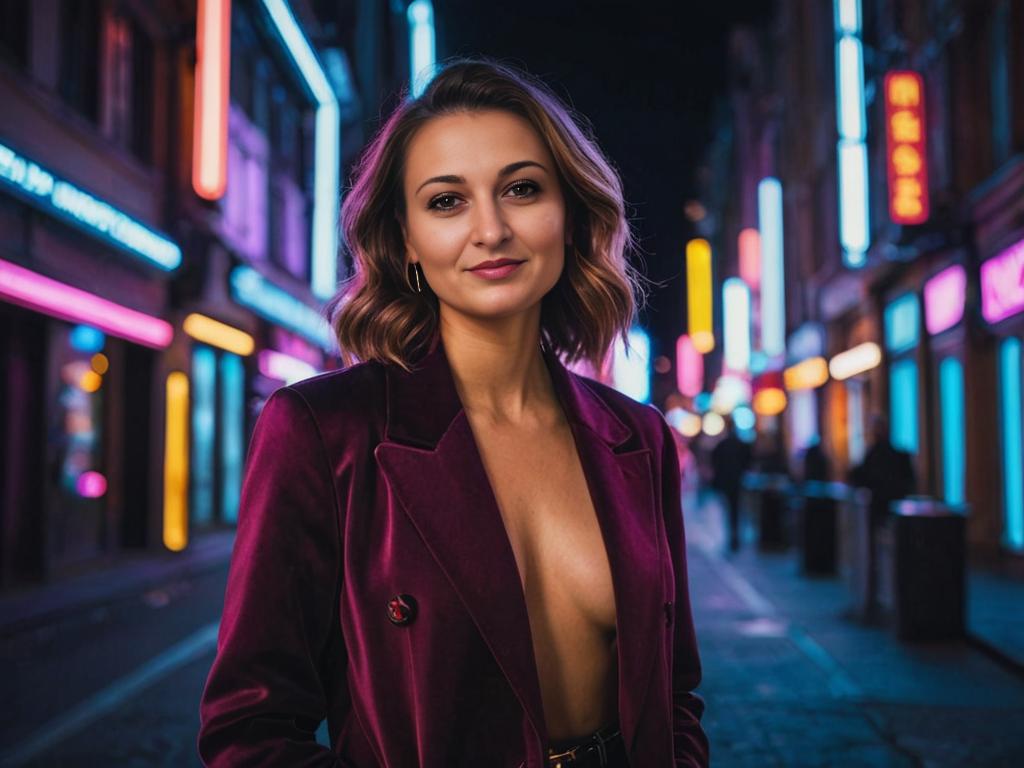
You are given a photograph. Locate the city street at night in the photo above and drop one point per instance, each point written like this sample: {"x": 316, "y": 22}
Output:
{"x": 548, "y": 384}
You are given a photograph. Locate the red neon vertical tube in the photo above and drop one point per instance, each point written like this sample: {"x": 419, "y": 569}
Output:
{"x": 210, "y": 131}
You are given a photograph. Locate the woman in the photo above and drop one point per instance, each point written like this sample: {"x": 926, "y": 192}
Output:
{"x": 456, "y": 550}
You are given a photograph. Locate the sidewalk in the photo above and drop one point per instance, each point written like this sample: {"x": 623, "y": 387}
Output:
{"x": 133, "y": 574}
{"x": 995, "y": 615}
{"x": 789, "y": 681}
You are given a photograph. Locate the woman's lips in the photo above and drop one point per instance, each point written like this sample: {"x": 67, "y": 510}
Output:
{"x": 495, "y": 273}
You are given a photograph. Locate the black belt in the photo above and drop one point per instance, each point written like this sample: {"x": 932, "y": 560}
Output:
{"x": 604, "y": 747}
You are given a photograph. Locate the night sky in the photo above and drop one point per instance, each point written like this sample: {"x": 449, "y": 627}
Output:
{"x": 646, "y": 74}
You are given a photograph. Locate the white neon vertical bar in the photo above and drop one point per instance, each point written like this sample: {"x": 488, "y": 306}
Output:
{"x": 1013, "y": 452}
{"x": 853, "y": 196}
{"x": 773, "y": 285}
{"x": 420, "y": 16}
{"x": 847, "y": 16}
{"x": 736, "y": 319}
{"x": 850, "y": 83}
{"x": 327, "y": 150}
{"x": 631, "y": 374}
{"x": 326, "y": 201}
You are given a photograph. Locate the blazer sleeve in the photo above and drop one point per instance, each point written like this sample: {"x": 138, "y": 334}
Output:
{"x": 264, "y": 697}
{"x": 690, "y": 743}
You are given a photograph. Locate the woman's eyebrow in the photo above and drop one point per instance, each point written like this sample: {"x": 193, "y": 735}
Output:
{"x": 508, "y": 170}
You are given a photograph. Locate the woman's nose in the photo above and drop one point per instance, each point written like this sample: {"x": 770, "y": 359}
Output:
{"x": 490, "y": 227}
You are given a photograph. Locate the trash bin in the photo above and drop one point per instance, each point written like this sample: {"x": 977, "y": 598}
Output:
{"x": 819, "y": 526}
{"x": 770, "y": 497}
{"x": 929, "y": 560}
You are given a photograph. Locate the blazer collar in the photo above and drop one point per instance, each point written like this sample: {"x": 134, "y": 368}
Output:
{"x": 431, "y": 381}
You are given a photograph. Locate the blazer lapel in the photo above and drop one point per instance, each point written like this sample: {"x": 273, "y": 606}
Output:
{"x": 432, "y": 464}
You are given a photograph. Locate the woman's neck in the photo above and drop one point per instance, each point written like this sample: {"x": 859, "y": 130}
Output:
{"x": 498, "y": 367}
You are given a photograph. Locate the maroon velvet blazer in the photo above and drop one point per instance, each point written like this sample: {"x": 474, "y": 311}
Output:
{"x": 365, "y": 484}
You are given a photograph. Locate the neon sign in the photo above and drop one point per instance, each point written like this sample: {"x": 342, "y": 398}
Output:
{"x": 944, "y": 297}
{"x": 251, "y": 289}
{"x": 1002, "y": 284}
{"x": 905, "y": 143}
{"x": 60, "y": 198}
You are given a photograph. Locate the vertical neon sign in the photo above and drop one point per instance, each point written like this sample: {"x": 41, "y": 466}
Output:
{"x": 905, "y": 144}
{"x": 773, "y": 285}
{"x": 698, "y": 291}
{"x": 851, "y": 150}
{"x": 210, "y": 129}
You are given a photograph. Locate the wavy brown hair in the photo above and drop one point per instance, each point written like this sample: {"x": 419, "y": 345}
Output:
{"x": 376, "y": 314}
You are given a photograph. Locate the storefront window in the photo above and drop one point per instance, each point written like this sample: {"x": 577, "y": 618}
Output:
{"x": 1013, "y": 455}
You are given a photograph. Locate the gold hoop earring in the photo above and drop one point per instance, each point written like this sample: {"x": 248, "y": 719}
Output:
{"x": 416, "y": 273}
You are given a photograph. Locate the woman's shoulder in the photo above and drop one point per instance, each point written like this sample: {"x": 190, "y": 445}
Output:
{"x": 352, "y": 393}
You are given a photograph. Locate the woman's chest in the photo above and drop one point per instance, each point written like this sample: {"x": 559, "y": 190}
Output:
{"x": 545, "y": 503}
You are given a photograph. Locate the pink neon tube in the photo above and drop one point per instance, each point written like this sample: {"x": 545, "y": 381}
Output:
{"x": 29, "y": 289}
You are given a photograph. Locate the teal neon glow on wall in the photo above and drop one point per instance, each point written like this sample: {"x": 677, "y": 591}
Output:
{"x": 903, "y": 405}
{"x": 204, "y": 422}
{"x": 951, "y": 398}
{"x": 272, "y": 302}
{"x": 903, "y": 323}
{"x": 232, "y": 441}
{"x": 1013, "y": 452}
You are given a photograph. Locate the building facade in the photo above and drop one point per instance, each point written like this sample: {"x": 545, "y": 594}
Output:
{"x": 145, "y": 317}
{"x": 896, "y": 131}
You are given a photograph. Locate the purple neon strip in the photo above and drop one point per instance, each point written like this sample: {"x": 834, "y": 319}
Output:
{"x": 32, "y": 290}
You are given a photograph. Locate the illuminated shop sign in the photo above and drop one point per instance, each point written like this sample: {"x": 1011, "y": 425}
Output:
{"x": 905, "y": 145}
{"x": 64, "y": 200}
{"x": 43, "y": 294}
{"x": 851, "y": 150}
{"x": 944, "y": 297}
{"x": 251, "y": 289}
{"x": 213, "y": 83}
{"x": 1002, "y": 284}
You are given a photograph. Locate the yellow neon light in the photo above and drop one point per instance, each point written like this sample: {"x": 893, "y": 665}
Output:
{"x": 698, "y": 292}
{"x": 807, "y": 374}
{"x": 769, "y": 402}
{"x": 218, "y": 334}
{"x": 861, "y": 358}
{"x": 175, "y": 531}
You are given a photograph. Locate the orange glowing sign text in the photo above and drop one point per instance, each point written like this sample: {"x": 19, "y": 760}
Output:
{"x": 905, "y": 144}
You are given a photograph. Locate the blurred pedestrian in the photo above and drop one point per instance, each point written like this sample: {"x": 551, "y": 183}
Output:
{"x": 816, "y": 464}
{"x": 888, "y": 473}
{"x": 730, "y": 459}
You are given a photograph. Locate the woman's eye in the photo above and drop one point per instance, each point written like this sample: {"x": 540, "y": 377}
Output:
{"x": 443, "y": 202}
{"x": 523, "y": 189}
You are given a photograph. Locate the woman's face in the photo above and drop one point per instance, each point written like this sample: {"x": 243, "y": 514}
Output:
{"x": 480, "y": 187}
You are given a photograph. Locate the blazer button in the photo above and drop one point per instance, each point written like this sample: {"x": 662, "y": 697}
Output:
{"x": 402, "y": 609}
{"x": 668, "y": 613}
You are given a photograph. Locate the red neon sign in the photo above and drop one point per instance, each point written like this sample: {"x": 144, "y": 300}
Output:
{"x": 213, "y": 69}
{"x": 905, "y": 144}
